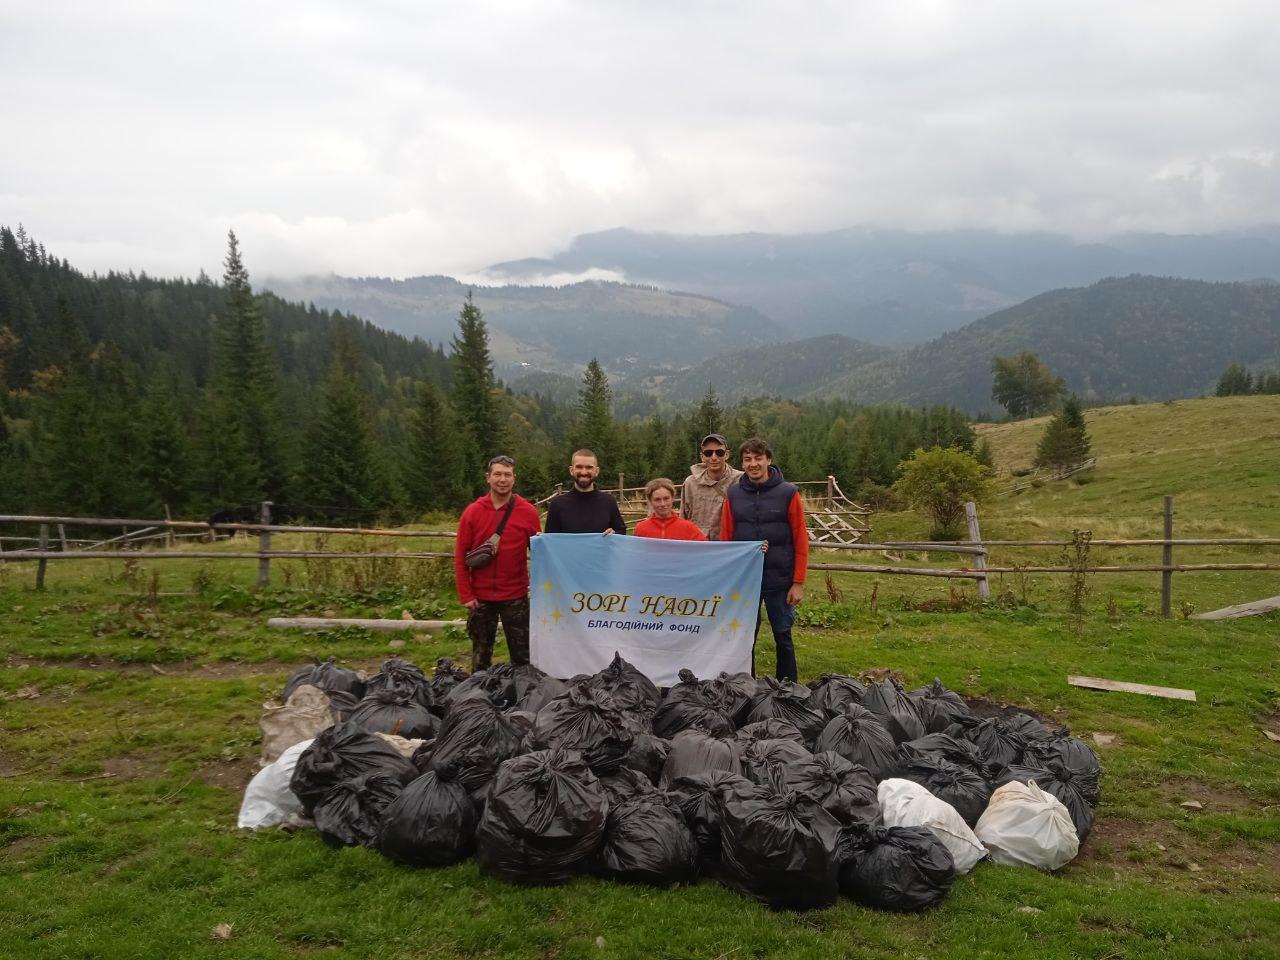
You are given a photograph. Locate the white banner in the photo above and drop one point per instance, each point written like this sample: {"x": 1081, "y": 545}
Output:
{"x": 663, "y": 604}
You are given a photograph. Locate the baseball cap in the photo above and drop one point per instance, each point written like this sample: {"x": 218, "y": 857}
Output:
{"x": 716, "y": 437}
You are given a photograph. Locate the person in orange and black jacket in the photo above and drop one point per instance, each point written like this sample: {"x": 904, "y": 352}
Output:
{"x": 664, "y": 523}
{"x": 499, "y": 590}
{"x": 763, "y": 506}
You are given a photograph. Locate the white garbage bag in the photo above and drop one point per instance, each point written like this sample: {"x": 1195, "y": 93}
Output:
{"x": 1025, "y": 826}
{"x": 268, "y": 801}
{"x": 904, "y": 803}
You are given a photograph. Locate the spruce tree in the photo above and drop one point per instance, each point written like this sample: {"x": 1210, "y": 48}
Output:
{"x": 164, "y": 455}
{"x": 1064, "y": 442}
{"x": 594, "y": 427}
{"x": 340, "y": 477}
{"x": 473, "y": 399}
{"x": 433, "y": 477}
{"x": 708, "y": 418}
{"x": 1235, "y": 381}
{"x": 245, "y": 377}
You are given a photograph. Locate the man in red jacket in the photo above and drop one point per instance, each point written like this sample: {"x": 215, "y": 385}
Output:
{"x": 500, "y": 588}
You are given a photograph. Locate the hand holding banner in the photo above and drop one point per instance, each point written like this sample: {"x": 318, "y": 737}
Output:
{"x": 662, "y": 604}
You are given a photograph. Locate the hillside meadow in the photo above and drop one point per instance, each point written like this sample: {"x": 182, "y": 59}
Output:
{"x": 130, "y": 701}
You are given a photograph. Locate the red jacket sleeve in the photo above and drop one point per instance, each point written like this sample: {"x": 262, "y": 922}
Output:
{"x": 799, "y": 539}
{"x": 461, "y": 544}
{"x": 726, "y": 521}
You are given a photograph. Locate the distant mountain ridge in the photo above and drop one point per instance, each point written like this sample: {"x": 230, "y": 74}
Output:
{"x": 784, "y": 369}
{"x": 894, "y": 287}
{"x": 555, "y": 329}
{"x": 1153, "y": 338}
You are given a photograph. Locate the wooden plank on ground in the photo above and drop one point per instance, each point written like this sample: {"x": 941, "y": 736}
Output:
{"x": 1251, "y": 609}
{"x": 1120, "y": 686}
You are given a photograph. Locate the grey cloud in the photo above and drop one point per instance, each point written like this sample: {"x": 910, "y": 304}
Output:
{"x": 402, "y": 138}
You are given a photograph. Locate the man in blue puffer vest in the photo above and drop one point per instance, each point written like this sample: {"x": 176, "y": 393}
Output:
{"x": 763, "y": 506}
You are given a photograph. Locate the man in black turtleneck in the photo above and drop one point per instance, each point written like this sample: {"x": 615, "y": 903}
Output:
{"x": 584, "y": 509}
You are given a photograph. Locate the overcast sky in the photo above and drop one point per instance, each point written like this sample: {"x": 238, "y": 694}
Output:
{"x": 382, "y": 137}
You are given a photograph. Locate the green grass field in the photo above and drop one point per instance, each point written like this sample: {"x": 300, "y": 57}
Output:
{"x": 128, "y": 727}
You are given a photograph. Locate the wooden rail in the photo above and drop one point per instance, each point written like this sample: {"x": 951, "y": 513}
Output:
{"x": 980, "y": 569}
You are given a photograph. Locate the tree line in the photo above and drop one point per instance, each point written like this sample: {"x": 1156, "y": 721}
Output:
{"x": 129, "y": 395}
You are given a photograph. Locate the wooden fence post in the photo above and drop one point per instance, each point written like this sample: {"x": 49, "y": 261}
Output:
{"x": 264, "y": 544}
{"x": 169, "y": 540}
{"x": 1166, "y": 576}
{"x": 979, "y": 559}
{"x": 43, "y": 564}
{"x": 62, "y": 535}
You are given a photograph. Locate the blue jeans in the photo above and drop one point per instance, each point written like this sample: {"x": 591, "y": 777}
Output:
{"x": 781, "y": 616}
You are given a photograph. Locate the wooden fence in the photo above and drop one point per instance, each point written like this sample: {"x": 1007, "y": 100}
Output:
{"x": 140, "y": 532}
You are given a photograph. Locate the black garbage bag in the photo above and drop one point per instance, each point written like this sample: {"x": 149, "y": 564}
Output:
{"x": 690, "y": 714}
{"x": 997, "y": 740}
{"x": 693, "y": 752}
{"x": 1026, "y": 725}
{"x": 699, "y": 800}
{"x": 646, "y": 840}
{"x": 1055, "y": 778}
{"x": 939, "y": 707}
{"x": 955, "y": 749}
{"x": 629, "y": 689}
{"x": 894, "y": 868}
{"x": 784, "y": 700}
{"x": 762, "y": 756}
{"x": 609, "y": 754}
{"x": 396, "y": 712}
{"x": 496, "y": 686}
{"x": 522, "y": 720}
{"x": 534, "y": 688}
{"x": 779, "y": 846}
{"x": 688, "y": 687}
{"x": 444, "y": 678}
{"x": 623, "y": 783}
{"x": 648, "y": 755}
{"x": 577, "y": 719}
{"x": 339, "y": 753}
{"x": 422, "y": 755}
{"x": 432, "y": 823}
{"x": 342, "y": 705}
{"x": 845, "y": 790}
{"x": 859, "y": 737}
{"x": 899, "y": 713}
{"x": 950, "y": 782}
{"x": 403, "y": 677}
{"x": 768, "y": 730}
{"x": 1074, "y": 754}
{"x": 328, "y": 676}
{"x": 350, "y": 813}
{"x": 833, "y": 691}
{"x": 474, "y": 739}
{"x": 735, "y": 691}
{"x": 544, "y": 818}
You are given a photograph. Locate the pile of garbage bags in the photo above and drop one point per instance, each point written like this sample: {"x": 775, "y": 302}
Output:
{"x": 791, "y": 794}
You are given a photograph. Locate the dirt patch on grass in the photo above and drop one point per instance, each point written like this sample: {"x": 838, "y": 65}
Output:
{"x": 134, "y": 767}
{"x": 982, "y": 707}
{"x": 233, "y": 775}
{"x": 1162, "y": 847}
{"x": 1178, "y": 790}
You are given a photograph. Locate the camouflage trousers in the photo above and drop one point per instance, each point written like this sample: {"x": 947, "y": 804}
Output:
{"x": 482, "y": 628}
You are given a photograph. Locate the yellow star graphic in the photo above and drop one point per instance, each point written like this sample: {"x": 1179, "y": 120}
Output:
{"x": 735, "y": 596}
{"x": 546, "y": 585}
{"x": 734, "y": 625}
{"x": 556, "y": 617}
